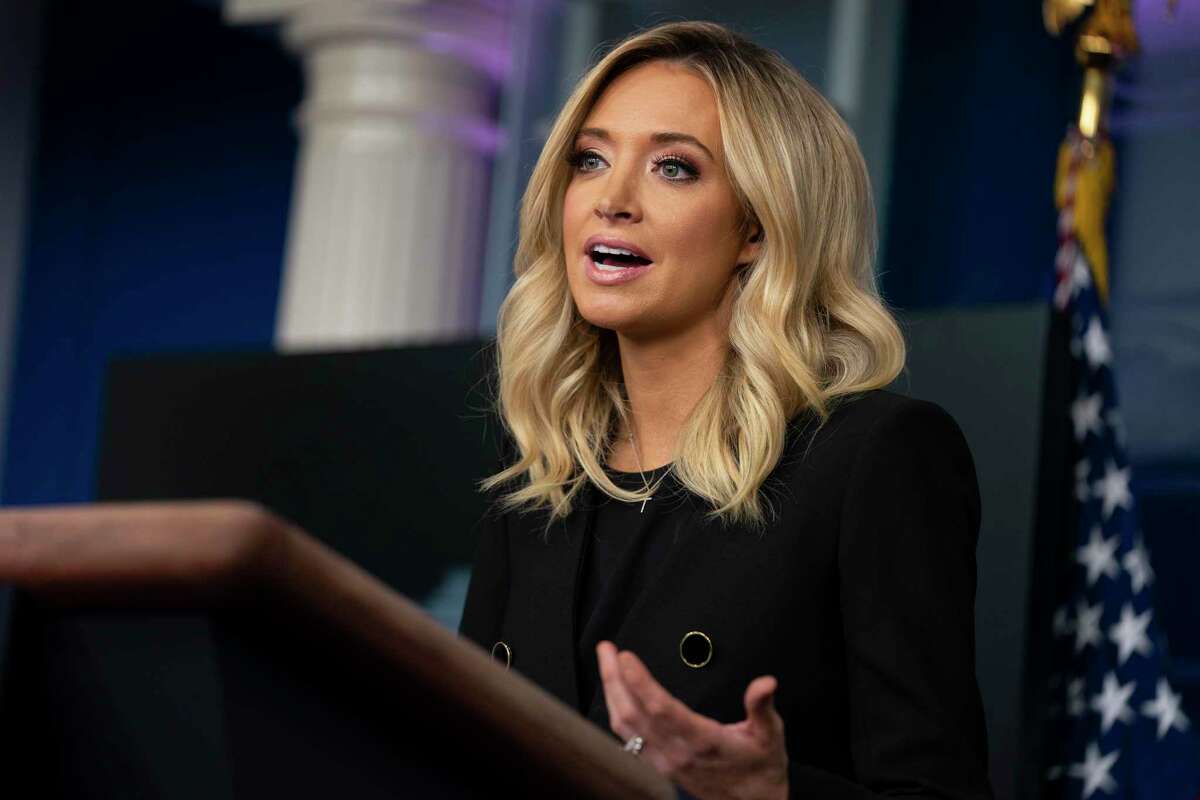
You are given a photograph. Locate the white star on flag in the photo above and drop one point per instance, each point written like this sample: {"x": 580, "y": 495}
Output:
{"x": 1165, "y": 708}
{"x": 1112, "y": 703}
{"x": 1129, "y": 634}
{"x": 1097, "y": 555}
{"x": 1137, "y": 564}
{"x": 1094, "y": 770}
{"x": 1113, "y": 489}
{"x": 1085, "y": 414}
{"x": 1095, "y": 344}
{"x": 1087, "y": 624}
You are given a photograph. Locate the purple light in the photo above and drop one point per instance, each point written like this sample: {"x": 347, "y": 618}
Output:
{"x": 481, "y": 135}
{"x": 489, "y": 54}
{"x": 1160, "y": 32}
{"x": 1125, "y": 123}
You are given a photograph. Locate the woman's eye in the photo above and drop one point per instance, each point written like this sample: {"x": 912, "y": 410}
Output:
{"x": 581, "y": 159}
{"x": 676, "y": 169}
{"x": 673, "y": 168}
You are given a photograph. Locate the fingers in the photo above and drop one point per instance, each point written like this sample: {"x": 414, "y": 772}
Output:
{"x": 700, "y": 754}
{"x": 638, "y": 705}
{"x": 636, "y": 694}
{"x": 625, "y": 713}
{"x": 650, "y": 698}
{"x": 760, "y": 706}
{"x": 616, "y": 695}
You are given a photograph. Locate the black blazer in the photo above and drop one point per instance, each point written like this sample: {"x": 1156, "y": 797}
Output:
{"x": 859, "y": 598}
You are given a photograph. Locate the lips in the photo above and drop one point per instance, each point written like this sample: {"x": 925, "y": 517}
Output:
{"x": 615, "y": 243}
{"x": 614, "y": 269}
{"x": 608, "y": 276}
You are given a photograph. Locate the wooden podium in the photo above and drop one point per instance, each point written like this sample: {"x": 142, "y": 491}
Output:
{"x": 211, "y": 649}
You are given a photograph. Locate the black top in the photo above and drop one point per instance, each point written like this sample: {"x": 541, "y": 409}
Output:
{"x": 629, "y": 541}
{"x": 858, "y": 597}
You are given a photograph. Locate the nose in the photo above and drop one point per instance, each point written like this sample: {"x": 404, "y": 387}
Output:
{"x": 611, "y": 212}
{"x": 618, "y": 199}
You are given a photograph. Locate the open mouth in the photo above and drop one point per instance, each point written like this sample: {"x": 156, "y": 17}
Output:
{"x": 612, "y": 258}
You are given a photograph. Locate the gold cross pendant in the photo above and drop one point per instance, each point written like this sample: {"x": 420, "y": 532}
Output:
{"x": 647, "y": 500}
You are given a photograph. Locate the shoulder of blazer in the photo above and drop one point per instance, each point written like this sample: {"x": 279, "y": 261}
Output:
{"x": 905, "y": 435}
{"x": 865, "y": 414}
{"x": 860, "y": 424}
{"x": 887, "y": 419}
{"x": 850, "y": 419}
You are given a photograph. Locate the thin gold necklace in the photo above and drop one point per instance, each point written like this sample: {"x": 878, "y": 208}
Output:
{"x": 650, "y": 490}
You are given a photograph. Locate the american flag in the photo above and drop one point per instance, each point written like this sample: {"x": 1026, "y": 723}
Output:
{"x": 1118, "y": 727}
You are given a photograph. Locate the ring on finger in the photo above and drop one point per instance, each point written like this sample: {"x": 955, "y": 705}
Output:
{"x": 635, "y": 745}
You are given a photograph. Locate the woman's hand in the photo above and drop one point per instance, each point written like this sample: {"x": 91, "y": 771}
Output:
{"x": 709, "y": 760}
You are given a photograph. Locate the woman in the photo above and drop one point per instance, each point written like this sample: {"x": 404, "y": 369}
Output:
{"x": 716, "y": 535}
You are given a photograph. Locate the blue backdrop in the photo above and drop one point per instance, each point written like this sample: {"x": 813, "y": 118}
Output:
{"x": 984, "y": 99}
{"x": 159, "y": 210}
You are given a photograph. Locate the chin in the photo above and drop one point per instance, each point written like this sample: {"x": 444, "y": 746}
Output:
{"x": 613, "y": 313}
{"x": 610, "y": 319}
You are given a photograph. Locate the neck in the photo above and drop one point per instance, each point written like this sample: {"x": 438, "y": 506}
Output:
{"x": 664, "y": 380}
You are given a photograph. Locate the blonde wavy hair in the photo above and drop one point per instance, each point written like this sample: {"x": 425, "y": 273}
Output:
{"x": 807, "y": 326}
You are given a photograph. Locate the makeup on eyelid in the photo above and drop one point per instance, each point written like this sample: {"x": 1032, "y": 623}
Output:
{"x": 577, "y": 157}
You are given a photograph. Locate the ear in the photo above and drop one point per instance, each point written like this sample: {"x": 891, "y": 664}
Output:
{"x": 752, "y": 246}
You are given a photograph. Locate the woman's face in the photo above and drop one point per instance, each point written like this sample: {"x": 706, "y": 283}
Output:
{"x": 649, "y": 176}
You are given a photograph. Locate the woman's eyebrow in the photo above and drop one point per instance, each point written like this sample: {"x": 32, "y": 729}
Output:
{"x": 662, "y": 137}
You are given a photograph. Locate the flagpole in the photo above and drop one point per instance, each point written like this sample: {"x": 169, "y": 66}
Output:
{"x": 1104, "y": 36}
{"x": 1096, "y": 83}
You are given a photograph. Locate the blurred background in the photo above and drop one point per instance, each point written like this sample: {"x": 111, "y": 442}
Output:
{"x": 256, "y": 247}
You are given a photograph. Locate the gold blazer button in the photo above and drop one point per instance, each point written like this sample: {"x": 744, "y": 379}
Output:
{"x": 502, "y": 652}
{"x": 696, "y": 649}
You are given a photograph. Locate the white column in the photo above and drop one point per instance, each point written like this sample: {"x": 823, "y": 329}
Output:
{"x": 396, "y": 140}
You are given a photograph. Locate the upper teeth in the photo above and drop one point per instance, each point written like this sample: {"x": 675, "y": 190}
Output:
{"x": 603, "y": 248}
